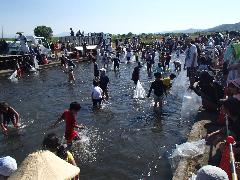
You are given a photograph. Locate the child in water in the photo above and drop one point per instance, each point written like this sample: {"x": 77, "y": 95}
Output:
{"x": 52, "y": 143}
{"x": 136, "y": 55}
{"x": 97, "y": 95}
{"x": 116, "y": 62}
{"x": 71, "y": 77}
{"x": 159, "y": 90}
{"x": 167, "y": 81}
{"x": 7, "y": 114}
{"x": 19, "y": 70}
{"x": 70, "y": 118}
{"x": 159, "y": 69}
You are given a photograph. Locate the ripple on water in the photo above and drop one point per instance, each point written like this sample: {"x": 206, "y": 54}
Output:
{"x": 125, "y": 139}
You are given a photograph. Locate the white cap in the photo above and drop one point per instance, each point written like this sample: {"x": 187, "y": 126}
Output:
{"x": 103, "y": 70}
{"x": 211, "y": 173}
{"x": 7, "y": 166}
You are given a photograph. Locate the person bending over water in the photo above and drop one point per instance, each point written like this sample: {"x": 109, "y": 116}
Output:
{"x": 7, "y": 114}
{"x": 167, "y": 81}
{"x": 159, "y": 90}
{"x": 97, "y": 95}
{"x": 177, "y": 65}
{"x": 70, "y": 118}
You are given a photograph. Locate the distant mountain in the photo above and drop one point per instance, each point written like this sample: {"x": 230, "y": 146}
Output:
{"x": 191, "y": 30}
{"x": 225, "y": 27}
{"x": 220, "y": 28}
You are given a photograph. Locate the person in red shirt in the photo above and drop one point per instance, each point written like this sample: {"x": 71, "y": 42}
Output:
{"x": 70, "y": 116}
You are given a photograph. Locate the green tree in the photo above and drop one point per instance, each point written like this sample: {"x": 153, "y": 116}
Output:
{"x": 43, "y": 31}
{"x": 129, "y": 34}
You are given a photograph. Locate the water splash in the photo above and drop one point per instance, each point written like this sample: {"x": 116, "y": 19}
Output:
{"x": 86, "y": 148}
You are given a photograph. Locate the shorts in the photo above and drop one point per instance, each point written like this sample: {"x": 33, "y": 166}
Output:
{"x": 116, "y": 66}
{"x": 191, "y": 72}
{"x": 97, "y": 102}
{"x": 128, "y": 58}
{"x": 104, "y": 89}
{"x": 158, "y": 98}
{"x": 71, "y": 136}
{"x": 149, "y": 65}
{"x": 7, "y": 119}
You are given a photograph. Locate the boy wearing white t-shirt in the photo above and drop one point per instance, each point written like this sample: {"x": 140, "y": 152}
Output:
{"x": 96, "y": 94}
{"x": 191, "y": 62}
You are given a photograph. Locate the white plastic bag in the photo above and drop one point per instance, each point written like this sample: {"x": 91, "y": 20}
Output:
{"x": 186, "y": 150}
{"x": 190, "y": 149}
{"x": 13, "y": 77}
{"x": 35, "y": 63}
{"x": 139, "y": 92}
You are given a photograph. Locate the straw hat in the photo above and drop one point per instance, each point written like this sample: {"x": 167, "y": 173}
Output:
{"x": 44, "y": 165}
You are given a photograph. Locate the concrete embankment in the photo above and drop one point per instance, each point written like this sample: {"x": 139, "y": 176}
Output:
{"x": 8, "y": 72}
{"x": 188, "y": 166}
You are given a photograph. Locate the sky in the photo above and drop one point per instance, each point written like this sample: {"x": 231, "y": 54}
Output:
{"x": 116, "y": 16}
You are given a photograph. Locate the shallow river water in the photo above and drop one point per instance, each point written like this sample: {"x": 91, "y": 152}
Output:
{"x": 126, "y": 139}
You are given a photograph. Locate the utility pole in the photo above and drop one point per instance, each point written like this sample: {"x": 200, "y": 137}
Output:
{"x": 2, "y": 32}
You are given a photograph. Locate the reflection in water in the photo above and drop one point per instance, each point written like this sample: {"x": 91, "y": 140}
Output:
{"x": 125, "y": 139}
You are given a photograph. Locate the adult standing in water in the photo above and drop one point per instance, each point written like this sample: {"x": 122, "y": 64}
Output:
{"x": 96, "y": 70}
{"x": 136, "y": 73}
{"x": 149, "y": 62}
{"x": 191, "y": 61}
{"x": 103, "y": 83}
{"x": 159, "y": 90}
{"x": 71, "y": 77}
{"x": 129, "y": 55}
{"x": 116, "y": 62}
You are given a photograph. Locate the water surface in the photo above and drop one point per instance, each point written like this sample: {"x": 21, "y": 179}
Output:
{"x": 124, "y": 140}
